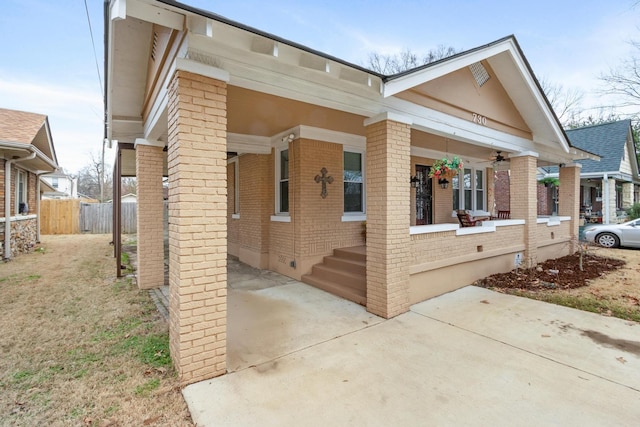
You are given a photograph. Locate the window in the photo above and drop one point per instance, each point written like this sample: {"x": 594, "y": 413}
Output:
{"x": 21, "y": 192}
{"x": 54, "y": 182}
{"x": 353, "y": 182}
{"x": 282, "y": 190}
{"x": 235, "y": 177}
{"x": 469, "y": 190}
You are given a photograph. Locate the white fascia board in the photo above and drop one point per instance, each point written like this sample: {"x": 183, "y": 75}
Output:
{"x": 156, "y": 122}
{"x": 274, "y": 76}
{"x": 155, "y": 14}
{"x": 442, "y": 124}
{"x": 446, "y": 67}
{"x": 118, "y": 10}
{"x": 240, "y": 143}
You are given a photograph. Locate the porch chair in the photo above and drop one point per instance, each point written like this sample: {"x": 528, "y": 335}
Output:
{"x": 504, "y": 214}
{"x": 465, "y": 219}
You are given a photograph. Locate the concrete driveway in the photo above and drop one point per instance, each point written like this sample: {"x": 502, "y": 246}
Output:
{"x": 471, "y": 357}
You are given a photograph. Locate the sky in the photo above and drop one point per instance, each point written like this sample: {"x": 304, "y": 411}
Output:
{"x": 47, "y": 62}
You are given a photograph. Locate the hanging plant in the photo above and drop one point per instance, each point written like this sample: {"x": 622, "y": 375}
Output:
{"x": 446, "y": 168}
{"x": 550, "y": 182}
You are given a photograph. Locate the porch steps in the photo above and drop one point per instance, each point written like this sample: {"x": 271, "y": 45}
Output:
{"x": 343, "y": 274}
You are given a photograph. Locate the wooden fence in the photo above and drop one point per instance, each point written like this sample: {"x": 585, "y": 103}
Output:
{"x": 75, "y": 217}
{"x": 60, "y": 216}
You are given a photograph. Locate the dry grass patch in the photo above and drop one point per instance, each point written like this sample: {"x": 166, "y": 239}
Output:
{"x": 80, "y": 347}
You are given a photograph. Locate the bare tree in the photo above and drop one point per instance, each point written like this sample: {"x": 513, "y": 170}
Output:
{"x": 566, "y": 102}
{"x": 91, "y": 182}
{"x": 624, "y": 80}
{"x": 406, "y": 60}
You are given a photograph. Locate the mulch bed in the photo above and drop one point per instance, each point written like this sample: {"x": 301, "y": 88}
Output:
{"x": 559, "y": 273}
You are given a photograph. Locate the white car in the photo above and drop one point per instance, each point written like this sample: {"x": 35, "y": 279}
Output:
{"x": 614, "y": 235}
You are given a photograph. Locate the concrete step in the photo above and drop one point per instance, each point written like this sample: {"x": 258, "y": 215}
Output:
{"x": 355, "y": 253}
{"x": 359, "y": 297}
{"x": 339, "y": 276}
{"x": 346, "y": 264}
{"x": 343, "y": 274}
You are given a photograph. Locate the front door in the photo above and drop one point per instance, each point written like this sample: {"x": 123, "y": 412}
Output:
{"x": 424, "y": 193}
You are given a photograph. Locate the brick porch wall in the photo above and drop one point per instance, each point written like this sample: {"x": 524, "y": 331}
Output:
{"x": 569, "y": 199}
{"x": 150, "y": 219}
{"x": 197, "y": 225}
{"x": 524, "y": 203}
{"x": 388, "y": 242}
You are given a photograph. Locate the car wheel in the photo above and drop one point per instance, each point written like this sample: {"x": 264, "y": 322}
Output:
{"x": 608, "y": 240}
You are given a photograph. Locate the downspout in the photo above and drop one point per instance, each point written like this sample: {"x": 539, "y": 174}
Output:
{"x": 7, "y": 202}
{"x": 605, "y": 198}
{"x": 38, "y": 175}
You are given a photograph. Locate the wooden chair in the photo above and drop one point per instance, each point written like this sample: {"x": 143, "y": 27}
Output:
{"x": 465, "y": 219}
{"x": 504, "y": 214}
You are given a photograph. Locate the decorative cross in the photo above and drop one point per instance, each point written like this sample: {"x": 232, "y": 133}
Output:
{"x": 324, "y": 179}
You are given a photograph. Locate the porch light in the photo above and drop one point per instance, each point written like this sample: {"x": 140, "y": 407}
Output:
{"x": 444, "y": 183}
{"x": 414, "y": 181}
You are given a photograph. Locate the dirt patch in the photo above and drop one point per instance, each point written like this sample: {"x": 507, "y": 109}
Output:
{"x": 609, "y": 282}
{"x": 80, "y": 347}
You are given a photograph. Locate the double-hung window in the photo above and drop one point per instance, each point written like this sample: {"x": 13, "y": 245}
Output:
{"x": 469, "y": 190}
{"x": 282, "y": 189}
{"x": 353, "y": 182}
{"x": 21, "y": 192}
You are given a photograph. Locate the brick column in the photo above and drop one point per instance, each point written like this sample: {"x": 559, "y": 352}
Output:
{"x": 149, "y": 157}
{"x": 388, "y": 217}
{"x": 627, "y": 195}
{"x": 197, "y": 223}
{"x": 569, "y": 199}
{"x": 609, "y": 201}
{"x": 524, "y": 201}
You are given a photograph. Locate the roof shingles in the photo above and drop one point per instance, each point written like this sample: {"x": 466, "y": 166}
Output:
{"x": 607, "y": 140}
{"x": 20, "y": 126}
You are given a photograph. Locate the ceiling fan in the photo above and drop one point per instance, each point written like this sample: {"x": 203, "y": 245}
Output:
{"x": 498, "y": 157}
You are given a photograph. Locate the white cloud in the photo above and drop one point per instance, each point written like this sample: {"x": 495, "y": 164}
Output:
{"x": 75, "y": 115}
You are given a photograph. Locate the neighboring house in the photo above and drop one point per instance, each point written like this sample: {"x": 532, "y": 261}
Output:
{"x": 129, "y": 198}
{"x": 64, "y": 186}
{"x": 26, "y": 152}
{"x": 609, "y": 186}
{"x": 276, "y": 154}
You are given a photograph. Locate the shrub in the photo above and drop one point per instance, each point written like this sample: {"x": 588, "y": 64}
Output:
{"x": 634, "y": 211}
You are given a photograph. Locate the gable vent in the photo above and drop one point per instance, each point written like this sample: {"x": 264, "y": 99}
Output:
{"x": 154, "y": 46}
{"x": 479, "y": 73}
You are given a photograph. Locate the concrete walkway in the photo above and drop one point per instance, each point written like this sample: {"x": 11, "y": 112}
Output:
{"x": 471, "y": 357}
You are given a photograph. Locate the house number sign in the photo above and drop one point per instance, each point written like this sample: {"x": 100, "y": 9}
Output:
{"x": 479, "y": 119}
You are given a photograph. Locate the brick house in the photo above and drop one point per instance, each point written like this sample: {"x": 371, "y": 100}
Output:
{"x": 611, "y": 185}
{"x": 26, "y": 152}
{"x": 276, "y": 154}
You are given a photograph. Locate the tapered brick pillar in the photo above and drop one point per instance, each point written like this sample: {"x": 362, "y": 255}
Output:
{"x": 569, "y": 199}
{"x": 524, "y": 201}
{"x": 388, "y": 215}
{"x": 197, "y": 223}
{"x": 150, "y": 251}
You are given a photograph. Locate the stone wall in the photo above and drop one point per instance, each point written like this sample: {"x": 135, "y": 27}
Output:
{"x": 24, "y": 232}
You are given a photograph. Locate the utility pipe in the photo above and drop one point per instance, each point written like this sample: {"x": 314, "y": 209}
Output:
{"x": 7, "y": 201}
{"x": 605, "y": 198}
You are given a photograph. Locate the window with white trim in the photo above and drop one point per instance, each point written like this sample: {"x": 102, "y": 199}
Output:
{"x": 353, "y": 177}
{"x": 236, "y": 185}
{"x": 54, "y": 182}
{"x": 469, "y": 190}
{"x": 282, "y": 178}
{"x": 21, "y": 192}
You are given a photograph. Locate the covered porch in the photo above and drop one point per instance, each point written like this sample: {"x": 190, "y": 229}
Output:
{"x": 277, "y": 154}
